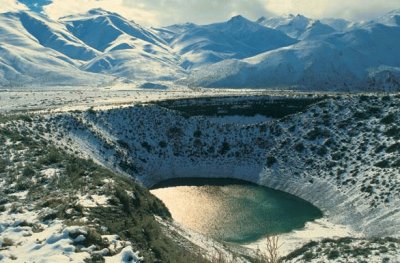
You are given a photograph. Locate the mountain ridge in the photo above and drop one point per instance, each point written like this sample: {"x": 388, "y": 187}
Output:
{"x": 104, "y": 48}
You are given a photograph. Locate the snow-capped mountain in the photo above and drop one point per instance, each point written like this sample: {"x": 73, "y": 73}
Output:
{"x": 356, "y": 59}
{"x": 236, "y": 38}
{"x": 101, "y": 47}
{"x": 390, "y": 19}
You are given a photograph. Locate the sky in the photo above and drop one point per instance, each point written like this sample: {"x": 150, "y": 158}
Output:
{"x": 166, "y": 12}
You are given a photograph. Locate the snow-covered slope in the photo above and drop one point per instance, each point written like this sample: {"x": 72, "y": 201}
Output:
{"x": 35, "y": 50}
{"x": 100, "y": 29}
{"x": 338, "y": 61}
{"x": 316, "y": 29}
{"x": 338, "y": 24}
{"x": 296, "y": 25}
{"x": 128, "y": 50}
{"x": 236, "y": 38}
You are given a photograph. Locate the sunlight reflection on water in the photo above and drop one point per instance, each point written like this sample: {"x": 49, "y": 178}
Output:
{"x": 234, "y": 211}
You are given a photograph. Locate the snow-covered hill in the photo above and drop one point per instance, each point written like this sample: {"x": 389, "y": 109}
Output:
{"x": 127, "y": 49}
{"x": 292, "y": 25}
{"x": 35, "y": 50}
{"x": 349, "y": 60}
{"x": 236, "y": 38}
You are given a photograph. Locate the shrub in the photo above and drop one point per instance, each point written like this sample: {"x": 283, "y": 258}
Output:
{"x": 299, "y": 147}
{"x": 333, "y": 254}
{"x": 380, "y": 148}
{"x": 22, "y": 185}
{"x": 361, "y": 115}
{"x": 91, "y": 111}
{"x": 124, "y": 199}
{"x": 28, "y": 171}
{"x": 225, "y": 147}
{"x": 317, "y": 133}
{"x": 162, "y": 144}
{"x": 147, "y": 146}
{"x": 308, "y": 256}
{"x": 300, "y": 251}
{"x": 393, "y": 132}
{"x": 197, "y": 133}
{"x": 53, "y": 156}
{"x": 123, "y": 144}
{"x": 271, "y": 160}
{"x": 388, "y": 119}
{"x": 94, "y": 238}
{"x": 393, "y": 148}
{"x": 174, "y": 132}
{"x": 322, "y": 151}
{"x": 3, "y": 165}
{"x": 7, "y": 242}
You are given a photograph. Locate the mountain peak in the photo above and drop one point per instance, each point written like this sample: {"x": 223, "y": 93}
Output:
{"x": 390, "y": 19}
{"x": 90, "y": 13}
{"x": 237, "y": 19}
{"x": 395, "y": 12}
{"x": 261, "y": 20}
{"x": 101, "y": 11}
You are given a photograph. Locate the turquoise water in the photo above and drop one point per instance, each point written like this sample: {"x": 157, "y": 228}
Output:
{"x": 232, "y": 210}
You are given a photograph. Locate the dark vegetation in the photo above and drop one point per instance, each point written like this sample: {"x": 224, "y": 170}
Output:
{"x": 273, "y": 107}
{"x": 345, "y": 248}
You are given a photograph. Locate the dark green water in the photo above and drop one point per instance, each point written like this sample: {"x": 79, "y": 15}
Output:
{"x": 233, "y": 210}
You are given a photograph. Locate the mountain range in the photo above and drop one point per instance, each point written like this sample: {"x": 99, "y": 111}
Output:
{"x": 103, "y": 48}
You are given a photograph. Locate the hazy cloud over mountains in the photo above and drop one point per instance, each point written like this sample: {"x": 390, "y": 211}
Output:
{"x": 165, "y": 12}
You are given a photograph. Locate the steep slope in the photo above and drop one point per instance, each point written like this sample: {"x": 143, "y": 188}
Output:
{"x": 99, "y": 29}
{"x": 236, "y": 38}
{"x": 338, "y": 24}
{"x": 170, "y": 32}
{"x": 55, "y": 36}
{"x": 35, "y": 51}
{"x": 127, "y": 49}
{"x": 340, "y": 61}
{"x": 316, "y": 29}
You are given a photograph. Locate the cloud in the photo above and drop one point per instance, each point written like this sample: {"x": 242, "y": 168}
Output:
{"x": 199, "y": 11}
{"x": 352, "y": 10}
{"x": 165, "y": 12}
{"x": 11, "y": 5}
{"x": 35, "y": 5}
{"x": 162, "y": 12}
{"x": 60, "y": 8}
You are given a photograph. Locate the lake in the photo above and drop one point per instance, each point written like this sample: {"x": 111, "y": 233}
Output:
{"x": 233, "y": 210}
